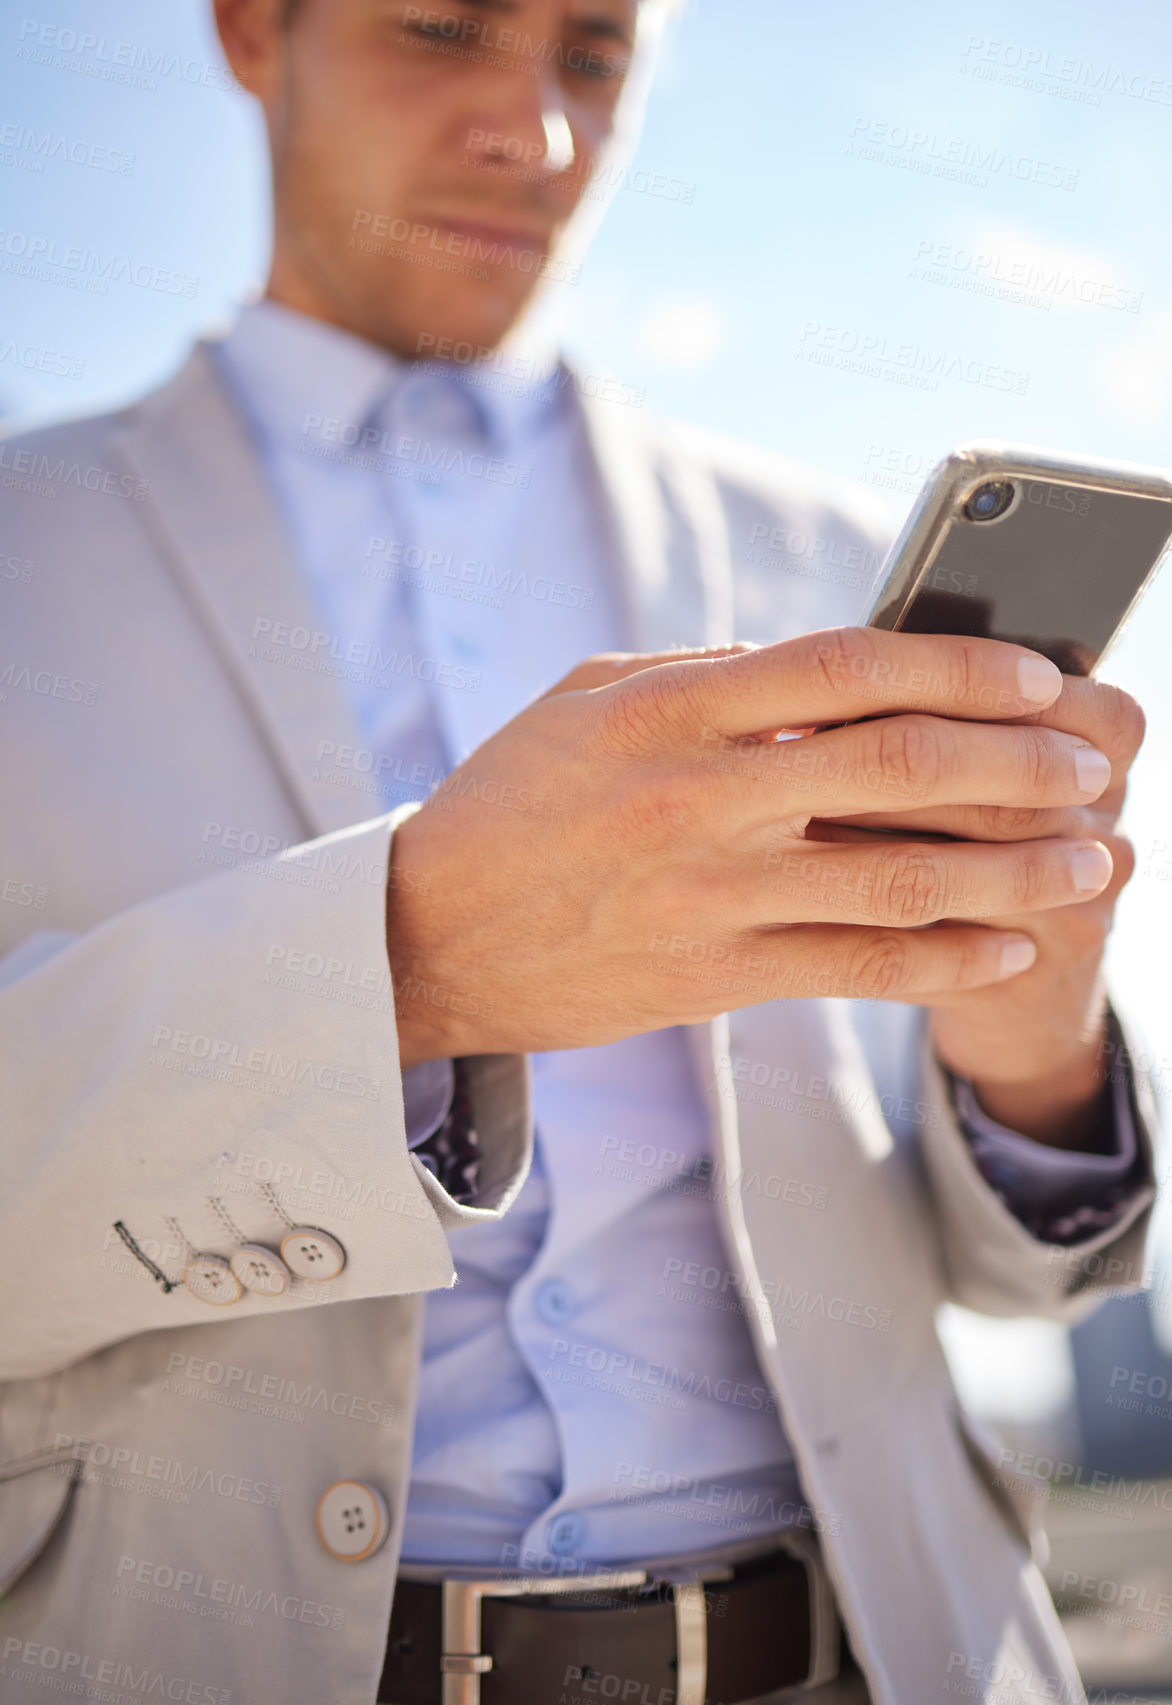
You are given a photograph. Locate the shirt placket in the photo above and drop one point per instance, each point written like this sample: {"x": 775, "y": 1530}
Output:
{"x": 451, "y": 521}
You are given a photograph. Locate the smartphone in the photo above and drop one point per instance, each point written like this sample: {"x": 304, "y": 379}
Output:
{"x": 1053, "y": 552}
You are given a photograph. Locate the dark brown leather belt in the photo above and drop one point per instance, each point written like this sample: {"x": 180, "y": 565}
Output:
{"x": 576, "y": 1641}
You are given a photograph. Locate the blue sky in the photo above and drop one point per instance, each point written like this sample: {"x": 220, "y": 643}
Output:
{"x": 845, "y": 180}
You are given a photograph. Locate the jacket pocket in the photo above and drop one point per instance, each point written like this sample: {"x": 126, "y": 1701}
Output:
{"x": 34, "y": 1495}
{"x": 1020, "y": 1496}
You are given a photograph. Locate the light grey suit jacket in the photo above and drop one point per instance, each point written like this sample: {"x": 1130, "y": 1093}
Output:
{"x": 206, "y": 1028}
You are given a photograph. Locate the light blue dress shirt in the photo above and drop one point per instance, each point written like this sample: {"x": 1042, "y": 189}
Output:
{"x": 572, "y": 1410}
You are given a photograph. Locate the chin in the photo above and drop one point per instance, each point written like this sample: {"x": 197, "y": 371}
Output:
{"x": 456, "y": 329}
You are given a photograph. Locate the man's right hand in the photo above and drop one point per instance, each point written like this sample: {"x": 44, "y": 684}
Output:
{"x": 634, "y": 850}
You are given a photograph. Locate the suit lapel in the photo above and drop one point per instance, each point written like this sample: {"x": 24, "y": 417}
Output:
{"x": 209, "y": 506}
{"x": 673, "y": 572}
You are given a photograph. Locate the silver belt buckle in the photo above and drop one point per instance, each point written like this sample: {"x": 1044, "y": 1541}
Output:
{"x": 825, "y": 1623}
{"x": 691, "y": 1608}
{"x": 462, "y": 1663}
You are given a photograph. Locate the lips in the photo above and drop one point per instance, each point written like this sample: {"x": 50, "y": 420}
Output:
{"x": 492, "y": 231}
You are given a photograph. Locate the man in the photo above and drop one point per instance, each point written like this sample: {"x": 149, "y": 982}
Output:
{"x": 685, "y": 1409}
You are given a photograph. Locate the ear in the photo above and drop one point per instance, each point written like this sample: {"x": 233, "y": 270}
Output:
{"x": 251, "y": 33}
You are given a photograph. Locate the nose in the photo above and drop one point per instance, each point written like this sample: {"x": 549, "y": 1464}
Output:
{"x": 522, "y": 118}
{"x": 559, "y": 141}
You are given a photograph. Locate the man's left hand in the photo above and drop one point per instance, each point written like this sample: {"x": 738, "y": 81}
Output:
{"x": 1033, "y": 1047}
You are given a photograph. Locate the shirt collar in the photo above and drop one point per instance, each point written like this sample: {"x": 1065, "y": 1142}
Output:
{"x": 516, "y": 387}
{"x": 294, "y": 372}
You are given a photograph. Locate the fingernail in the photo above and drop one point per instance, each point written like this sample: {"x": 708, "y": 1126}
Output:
{"x": 1039, "y": 680}
{"x": 1092, "y": 769}
{"x": 1017, "y": 955}
{"x": 1091, "y": 868}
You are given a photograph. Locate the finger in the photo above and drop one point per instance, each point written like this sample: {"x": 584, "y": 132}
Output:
{"x": 1051, "y": 925}
{"x": 914, "y": 762}
{"x": 973, "y": 822}
{"x": 1103, "y": 714}
{"x": 878, "y": 964}
{"x": 607, "y": 667}
{"x": 905, "y": 885}
{"x": 840, "y": 673}
{"x": 1072, "y": 936}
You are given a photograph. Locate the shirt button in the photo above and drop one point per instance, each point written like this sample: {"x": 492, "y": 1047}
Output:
{"x": 554, "y": 1301}
{"x": 565, "y": 1534}
{"x": 352, "y": 1520}
{"x": 312, "y": 1254}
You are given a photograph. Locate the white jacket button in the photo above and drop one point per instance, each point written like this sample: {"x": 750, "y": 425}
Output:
{"x": 312, "y": 1254}
{"x": 259, "y": 1270}
{"x": 210, "y": 1278}
{"x": 352, "y": 1520}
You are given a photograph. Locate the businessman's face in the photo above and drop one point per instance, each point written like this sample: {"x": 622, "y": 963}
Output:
{"x": 426, "y": 157}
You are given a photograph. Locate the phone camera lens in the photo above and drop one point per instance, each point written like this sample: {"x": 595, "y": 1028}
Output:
{"x": 989, "y": 501}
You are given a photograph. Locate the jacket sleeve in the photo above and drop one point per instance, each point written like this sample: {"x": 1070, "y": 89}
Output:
{"x": 223, "y": 1057}
{"x": 992, "y": 1261}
